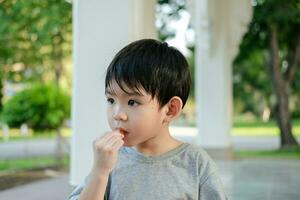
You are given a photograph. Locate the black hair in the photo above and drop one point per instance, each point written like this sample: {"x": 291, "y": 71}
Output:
{"x": 159, "y": 69}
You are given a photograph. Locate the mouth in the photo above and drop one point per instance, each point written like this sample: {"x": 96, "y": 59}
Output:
{"x": 123, "y": 131}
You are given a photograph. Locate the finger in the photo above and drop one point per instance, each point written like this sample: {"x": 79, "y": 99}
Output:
{"x": 117, "y": 144}
{"x": 107, "y": 136}
{"x": 112, "y": 140}
{"x": 104, "y": 139}
{"x": 119, "y": 131}
{"x": 117, "y": 134}
{"x": 101, "y": 141}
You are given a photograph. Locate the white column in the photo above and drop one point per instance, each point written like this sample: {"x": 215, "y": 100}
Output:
{"x": 215, "y": 49}
{"x": 142, "y": 19}
{"x": 100, "y": 29}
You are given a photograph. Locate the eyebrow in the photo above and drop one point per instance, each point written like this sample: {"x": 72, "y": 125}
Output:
{"x": 134, "y": 93}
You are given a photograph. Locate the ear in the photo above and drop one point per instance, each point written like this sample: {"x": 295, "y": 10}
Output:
{"x": 173, "y": 109}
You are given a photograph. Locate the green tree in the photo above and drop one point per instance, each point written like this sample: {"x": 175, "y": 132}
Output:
{"x": 252, "y": 92}
{"x": 41, "y": 112}
{"x": 274, "y": 33}
{"x": 37, "y": 35}
{"x": 42, "y": 107}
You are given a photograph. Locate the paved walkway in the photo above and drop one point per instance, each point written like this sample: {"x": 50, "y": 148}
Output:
{"x": 47, "y": 189}
{"x": 29, "y": 148}
{"x": 243, "y": 180}
{"x": 261, "y": 179}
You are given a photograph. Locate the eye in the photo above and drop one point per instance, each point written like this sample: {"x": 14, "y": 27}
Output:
{"x": 132, "y": 102}
{"x": 110, "y": 101}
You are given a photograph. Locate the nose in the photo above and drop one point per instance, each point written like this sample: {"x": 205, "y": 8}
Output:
{"x": 120, "y": 115}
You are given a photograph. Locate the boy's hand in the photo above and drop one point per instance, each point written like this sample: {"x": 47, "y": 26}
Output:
{"x": 106, "y": 152}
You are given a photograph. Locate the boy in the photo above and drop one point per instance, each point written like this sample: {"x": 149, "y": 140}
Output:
{"x": 147, "y": 85}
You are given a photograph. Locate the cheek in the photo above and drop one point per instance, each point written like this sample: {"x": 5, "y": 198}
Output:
{"x": 145, "y": 119}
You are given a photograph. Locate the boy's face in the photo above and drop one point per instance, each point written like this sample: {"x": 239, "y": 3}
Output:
{"x": 137, "y": 115}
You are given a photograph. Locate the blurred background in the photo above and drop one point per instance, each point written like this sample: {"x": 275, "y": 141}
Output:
{"x": 36, "y": 86}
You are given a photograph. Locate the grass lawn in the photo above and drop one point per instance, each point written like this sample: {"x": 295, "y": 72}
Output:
{"x": 286, "y": 154}
{"x": 30, "y": 163}
{"x": 22, "y": 171}
{"x": 15, "y": 134}
{"x": 260, "y": 128}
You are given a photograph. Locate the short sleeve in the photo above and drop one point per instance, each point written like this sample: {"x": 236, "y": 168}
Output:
{"x": 212, "y": 188}
{"x": 76, "y": 192}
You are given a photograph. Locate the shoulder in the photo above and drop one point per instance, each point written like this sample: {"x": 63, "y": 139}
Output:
{"x": 198, "y": 153}
{"x": 204, "y": 163}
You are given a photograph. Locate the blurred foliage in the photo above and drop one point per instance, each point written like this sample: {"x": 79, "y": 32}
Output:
{"x": 253, "y": 91}
{"x": 34, "y": 32}
{"x": 35, "y": 38}
{"x": 42, "y": 107}
{"x": 167, "y": 11}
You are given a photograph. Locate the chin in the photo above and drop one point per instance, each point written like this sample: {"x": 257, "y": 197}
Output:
{"x": 128, "y": 144}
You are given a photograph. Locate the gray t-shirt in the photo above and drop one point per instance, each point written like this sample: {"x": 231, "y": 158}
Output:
{"x": 184, "y": 173}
